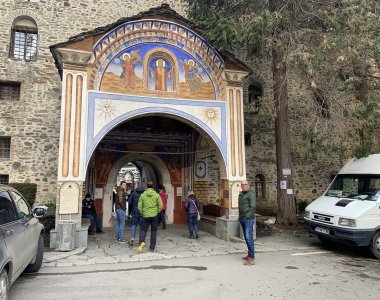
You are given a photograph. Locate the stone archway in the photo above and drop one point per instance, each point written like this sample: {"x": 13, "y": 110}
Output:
{"x": 150, "y": 158}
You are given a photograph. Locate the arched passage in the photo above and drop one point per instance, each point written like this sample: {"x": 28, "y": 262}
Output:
{"x": 176, "y": 155}
{"x": 151, "y": 159}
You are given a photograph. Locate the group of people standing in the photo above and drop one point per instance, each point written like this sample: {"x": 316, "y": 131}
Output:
{"x": 147, "y": 208}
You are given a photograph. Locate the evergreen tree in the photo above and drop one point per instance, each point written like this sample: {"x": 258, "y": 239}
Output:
{"x": 334, "y": 45}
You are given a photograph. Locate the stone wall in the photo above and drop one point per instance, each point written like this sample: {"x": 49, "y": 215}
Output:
{"x": 33, "y": 122}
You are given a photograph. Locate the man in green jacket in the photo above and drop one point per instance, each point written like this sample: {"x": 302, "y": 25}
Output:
{"x": 247, "y": 209}
{"x": 150, "y": 206}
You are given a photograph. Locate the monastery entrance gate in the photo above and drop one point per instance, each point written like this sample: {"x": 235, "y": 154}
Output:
{"x": 158, "y": 72}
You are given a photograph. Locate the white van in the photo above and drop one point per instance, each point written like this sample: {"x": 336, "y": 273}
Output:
{"x": 349, "y": 211}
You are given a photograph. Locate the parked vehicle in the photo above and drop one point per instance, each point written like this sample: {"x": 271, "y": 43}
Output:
{"x": 21, "y": 242}
{"x": 349, "y": 211}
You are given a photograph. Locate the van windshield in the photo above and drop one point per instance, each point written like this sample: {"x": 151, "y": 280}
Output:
{"x": 362, "y": 187}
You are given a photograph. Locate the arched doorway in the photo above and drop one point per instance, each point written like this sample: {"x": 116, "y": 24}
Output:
{"x": 167, "y": 151}
{"x": 150, "y": 160}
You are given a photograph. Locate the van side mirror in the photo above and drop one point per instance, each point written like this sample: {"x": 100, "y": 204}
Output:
{"x": 39, "y": 211}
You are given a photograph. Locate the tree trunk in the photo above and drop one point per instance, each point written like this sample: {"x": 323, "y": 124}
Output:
{"x": 286, "y": 214}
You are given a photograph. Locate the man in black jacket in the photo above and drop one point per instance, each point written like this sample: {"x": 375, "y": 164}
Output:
{"x": 88, "y": 211}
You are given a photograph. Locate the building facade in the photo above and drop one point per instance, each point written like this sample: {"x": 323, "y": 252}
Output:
{"x": 90, "y": 86}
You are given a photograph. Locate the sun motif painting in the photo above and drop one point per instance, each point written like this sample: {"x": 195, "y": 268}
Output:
{"x": 210, "y": 115}
{"x": 105, "y": 110}
{"x": 160, "y": 69}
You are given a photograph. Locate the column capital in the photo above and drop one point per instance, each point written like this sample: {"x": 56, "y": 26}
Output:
{"x": 74, "y": 59}
{"x": 235, "y": 77}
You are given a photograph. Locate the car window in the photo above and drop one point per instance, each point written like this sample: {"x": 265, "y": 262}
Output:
{"x": 21, "y": 205}
{"x": 7, "y": 211}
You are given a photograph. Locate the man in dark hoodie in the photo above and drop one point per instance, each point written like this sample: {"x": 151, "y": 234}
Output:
{"x": 89, "y": 211}
{"x": 133, "y": 204}
{"x": 247, "y": 208}
{"x": 150, "y": 206}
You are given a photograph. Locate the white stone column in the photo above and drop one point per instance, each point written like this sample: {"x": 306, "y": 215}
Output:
{"x": 71, "y": 164}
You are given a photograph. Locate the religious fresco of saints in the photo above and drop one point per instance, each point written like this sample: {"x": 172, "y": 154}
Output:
{"x": 128, "y": 73}
{"x": 160, "y": 75}
{"x": 192, "y": 75}
{"x": 155, "y": 68}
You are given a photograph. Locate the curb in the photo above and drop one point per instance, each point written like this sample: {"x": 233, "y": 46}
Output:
{"x": 54, "y": 256}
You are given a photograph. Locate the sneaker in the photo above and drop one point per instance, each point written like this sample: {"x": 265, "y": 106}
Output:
{"x": 197, "y": 236}
{"x": 245, "y": 257}
{"x": 122, "y": 241}
{"x": 250, "y": 261}
{"x": 90, "y": 233}
{"x": 131, "y": 242}
{"x": 99, "y": 231}
{"x": 140, "y": 248}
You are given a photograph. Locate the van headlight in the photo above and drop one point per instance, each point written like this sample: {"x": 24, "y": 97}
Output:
{"x": 307, "y": 214}
{"x": 347, "y": 222}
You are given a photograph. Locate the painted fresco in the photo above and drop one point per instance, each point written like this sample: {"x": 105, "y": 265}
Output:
{"x": 157, "y": 70}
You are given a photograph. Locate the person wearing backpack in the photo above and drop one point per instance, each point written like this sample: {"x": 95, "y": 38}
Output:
{"x": 192, "y": 209}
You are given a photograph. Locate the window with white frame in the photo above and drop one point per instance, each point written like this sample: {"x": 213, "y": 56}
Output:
{"x": 24, "y": 39}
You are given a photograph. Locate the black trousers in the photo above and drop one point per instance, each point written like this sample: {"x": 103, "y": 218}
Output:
{"x": 162, "y": 218}
{"x": 145, "y": 222}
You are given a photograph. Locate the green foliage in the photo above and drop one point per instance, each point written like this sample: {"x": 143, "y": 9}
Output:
{"x": 301, "y": 205}
{"x": 366, "y": 115}
{"x": 266, "y": 209}
{"x": 28, "y": 190}
{"x": 221, "y": 27}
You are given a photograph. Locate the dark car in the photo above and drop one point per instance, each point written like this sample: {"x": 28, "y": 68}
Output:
{"x": 21, "y": 242}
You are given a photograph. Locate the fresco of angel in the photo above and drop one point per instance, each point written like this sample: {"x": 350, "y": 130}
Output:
{"x": 128, "y": 74}
{"x": 192, "y": 75}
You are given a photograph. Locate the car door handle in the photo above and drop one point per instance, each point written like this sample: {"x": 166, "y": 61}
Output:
{"x": 8, "y": 232}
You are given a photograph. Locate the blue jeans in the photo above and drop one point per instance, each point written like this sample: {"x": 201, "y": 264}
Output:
{"x": 93, "y": 219}
{"x": 135, "y": 221}
{"x": 247, "y": 226}
{"x": 145, "y": 222}
{"x": 120, "y": 223}
{"x": 192, "y": 220}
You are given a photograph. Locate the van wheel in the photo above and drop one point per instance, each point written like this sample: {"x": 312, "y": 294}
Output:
{"x": 375, "y": 245}
{"x": 4, "y": 285}
{"x": 32, "y": 268}
{"x": 324, "y": 240}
